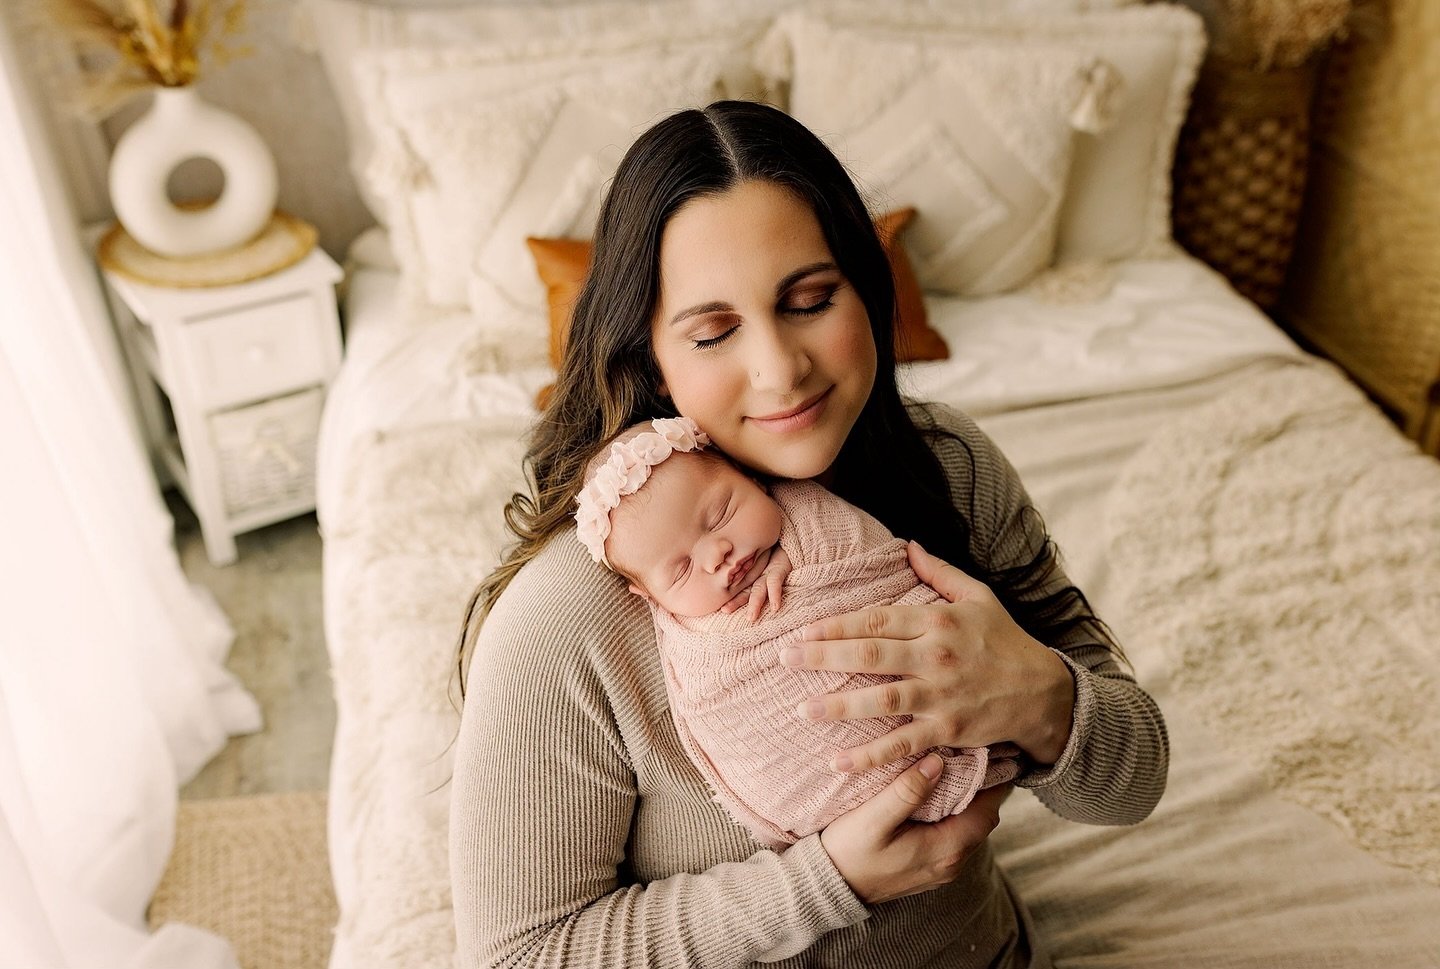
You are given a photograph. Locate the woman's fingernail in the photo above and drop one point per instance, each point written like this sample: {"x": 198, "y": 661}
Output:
{"x": 811, "y": 709}
{"x": 790, "y": 656}
{"x": 930, "y": 766}
{"x": 804, "y": 633}
{"x": 844, "y": 763}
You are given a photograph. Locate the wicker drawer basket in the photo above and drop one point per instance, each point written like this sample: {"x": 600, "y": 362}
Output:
{"x": 266, "y": 452}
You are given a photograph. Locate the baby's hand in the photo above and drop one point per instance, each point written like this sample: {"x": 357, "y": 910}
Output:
{"x": 767, "y": 586}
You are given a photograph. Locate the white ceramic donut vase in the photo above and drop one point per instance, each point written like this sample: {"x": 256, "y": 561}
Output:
{"x": 181, "y": 125}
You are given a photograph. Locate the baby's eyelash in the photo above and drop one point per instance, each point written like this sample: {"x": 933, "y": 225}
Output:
{"x": 723, "y": 517}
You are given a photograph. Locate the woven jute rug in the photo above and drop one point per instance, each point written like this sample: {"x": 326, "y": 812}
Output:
{"x": 254, "y": 870}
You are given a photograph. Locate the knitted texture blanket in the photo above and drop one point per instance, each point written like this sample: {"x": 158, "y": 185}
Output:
{"x": 1277, "y": 555}
{"x": 734, "y": 704}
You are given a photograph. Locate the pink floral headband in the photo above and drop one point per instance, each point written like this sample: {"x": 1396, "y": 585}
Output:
{"x": 624, "y": 472}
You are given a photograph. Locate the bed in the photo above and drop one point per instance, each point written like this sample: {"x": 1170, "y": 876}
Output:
{"x": 1265, "y": 544}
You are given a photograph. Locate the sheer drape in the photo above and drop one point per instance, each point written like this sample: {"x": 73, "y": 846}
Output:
{"x": 112, "y": 688}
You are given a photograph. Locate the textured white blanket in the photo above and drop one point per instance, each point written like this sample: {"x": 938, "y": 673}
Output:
{"x": 418, "y": 525}
{"x": 1277, "y": 554}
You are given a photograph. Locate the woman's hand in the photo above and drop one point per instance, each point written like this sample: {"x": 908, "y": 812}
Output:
{"x": 882, "y": 854}
{"x": 970, "y": 676}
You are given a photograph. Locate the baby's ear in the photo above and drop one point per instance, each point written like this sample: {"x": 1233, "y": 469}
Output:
{"x": 639, "y": 591}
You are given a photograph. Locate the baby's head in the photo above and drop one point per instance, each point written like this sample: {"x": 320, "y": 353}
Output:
{"x": 684, "y": 525}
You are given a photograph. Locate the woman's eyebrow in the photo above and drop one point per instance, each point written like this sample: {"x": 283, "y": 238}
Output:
{"x": 714, "y": 306}
{"x": 801, "y": 273}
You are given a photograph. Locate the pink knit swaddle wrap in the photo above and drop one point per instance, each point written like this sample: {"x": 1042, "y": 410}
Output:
{"x": 734, "y": 704}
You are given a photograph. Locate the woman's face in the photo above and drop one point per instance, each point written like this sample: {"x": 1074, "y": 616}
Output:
{"x": 759, "y": 338}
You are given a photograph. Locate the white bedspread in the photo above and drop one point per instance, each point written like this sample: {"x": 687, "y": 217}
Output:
{"x": 420, "y": 448}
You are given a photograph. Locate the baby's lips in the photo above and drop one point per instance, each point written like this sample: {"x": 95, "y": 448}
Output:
{"x": 739, "y": 569}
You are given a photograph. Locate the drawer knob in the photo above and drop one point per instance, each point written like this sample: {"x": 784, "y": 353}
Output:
{"x": 256, "y": 353}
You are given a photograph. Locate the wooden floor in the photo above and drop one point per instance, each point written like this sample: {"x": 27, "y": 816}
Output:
{"x": 272, "y": 596}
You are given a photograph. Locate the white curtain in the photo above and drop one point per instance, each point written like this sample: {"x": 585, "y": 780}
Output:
{"x": 112, "y": 685}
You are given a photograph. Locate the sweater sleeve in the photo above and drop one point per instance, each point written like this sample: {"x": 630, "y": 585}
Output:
{"x": 545, "y": 790}
{"x": 1114, "y": 766}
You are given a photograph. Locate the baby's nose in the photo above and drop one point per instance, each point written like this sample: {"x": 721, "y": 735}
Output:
{"x": 719, "y": 555}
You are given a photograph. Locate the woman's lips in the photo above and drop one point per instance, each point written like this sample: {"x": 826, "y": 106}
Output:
{"x": 797, "y": 418}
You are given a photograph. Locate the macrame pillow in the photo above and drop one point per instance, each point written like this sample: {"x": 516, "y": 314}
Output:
{"x": 476, "y": 148}
{"x": 345, "y": 32}
{"x": 975, "y": 134}
{"x": 1116, "y": 202}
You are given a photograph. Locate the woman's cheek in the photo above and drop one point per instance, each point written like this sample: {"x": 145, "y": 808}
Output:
{"x": 707, "y": 393}
{"x": 854, "y": 348}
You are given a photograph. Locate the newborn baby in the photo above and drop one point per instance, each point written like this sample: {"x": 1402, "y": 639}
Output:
{"x": 699, "y": 540}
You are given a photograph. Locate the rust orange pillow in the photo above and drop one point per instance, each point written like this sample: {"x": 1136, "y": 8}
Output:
{"x": 563, "y": 263}
{"x": 914, "y": 338}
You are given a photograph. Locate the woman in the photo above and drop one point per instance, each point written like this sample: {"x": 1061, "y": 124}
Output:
{"x": 737, "y": 280}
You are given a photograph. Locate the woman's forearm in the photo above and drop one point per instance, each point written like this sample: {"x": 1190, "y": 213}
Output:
{"x": 1114, "y": 766}
{"x": 728, "y": 916}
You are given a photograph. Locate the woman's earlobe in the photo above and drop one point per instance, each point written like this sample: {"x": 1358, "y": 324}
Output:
{"x": 663, "y": 390}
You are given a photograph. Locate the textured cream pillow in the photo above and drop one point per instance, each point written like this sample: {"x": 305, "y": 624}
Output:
{"x": 476, "y": 148}
{"x": 1117, "y": 201}
{"x": 974, "y": 133}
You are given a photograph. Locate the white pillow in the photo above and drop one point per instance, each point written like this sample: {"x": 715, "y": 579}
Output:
{"x": 462, "y": 136}
{"x": 973, "y": 132}
{"x": 1117, "y": 200}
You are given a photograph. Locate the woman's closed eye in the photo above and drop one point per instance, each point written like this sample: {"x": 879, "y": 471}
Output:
{"x": 811, "y": 304}
{"x": 715, "y": 341}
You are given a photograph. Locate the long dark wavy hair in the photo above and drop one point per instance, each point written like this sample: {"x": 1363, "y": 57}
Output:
{"x": 609, "y": 378}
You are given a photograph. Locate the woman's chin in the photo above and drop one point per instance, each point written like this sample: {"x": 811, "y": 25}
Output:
{"x": 795, "y": 466}
{"x": 778, "y": 458}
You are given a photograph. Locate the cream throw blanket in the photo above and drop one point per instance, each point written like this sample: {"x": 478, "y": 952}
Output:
{"x": 1277, "y": 553}
{"x": 734, "y": 704}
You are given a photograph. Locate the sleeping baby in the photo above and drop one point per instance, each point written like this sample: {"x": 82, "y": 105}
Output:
{"x": 732, "y": 573}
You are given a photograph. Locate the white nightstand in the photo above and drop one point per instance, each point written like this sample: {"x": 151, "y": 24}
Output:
{"x": 244, "y": 369}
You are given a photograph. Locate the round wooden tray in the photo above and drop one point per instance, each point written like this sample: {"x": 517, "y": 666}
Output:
{"x": 283, "y": 242}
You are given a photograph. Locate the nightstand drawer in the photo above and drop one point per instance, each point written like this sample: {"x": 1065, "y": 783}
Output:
{"x": 256, "y": 352}
{"x": 266, "y": 452}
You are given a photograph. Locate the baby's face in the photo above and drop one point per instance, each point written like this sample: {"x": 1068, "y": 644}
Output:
{"x": 696, "y": 534}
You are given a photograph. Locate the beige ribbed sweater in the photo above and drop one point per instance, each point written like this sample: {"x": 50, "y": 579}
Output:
{"x": 581, "y": 834}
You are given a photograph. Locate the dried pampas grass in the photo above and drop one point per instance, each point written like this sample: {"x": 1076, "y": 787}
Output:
{"x": 128, "y": 46}
{"x": 1287, "y": 32}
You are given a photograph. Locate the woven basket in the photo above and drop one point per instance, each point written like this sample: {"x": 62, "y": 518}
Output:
{"x": 267, "y": 451}
{"x": 1239, "y": 175}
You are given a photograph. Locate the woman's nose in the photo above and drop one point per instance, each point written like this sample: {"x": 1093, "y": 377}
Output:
{"x": 778, "y": 364}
